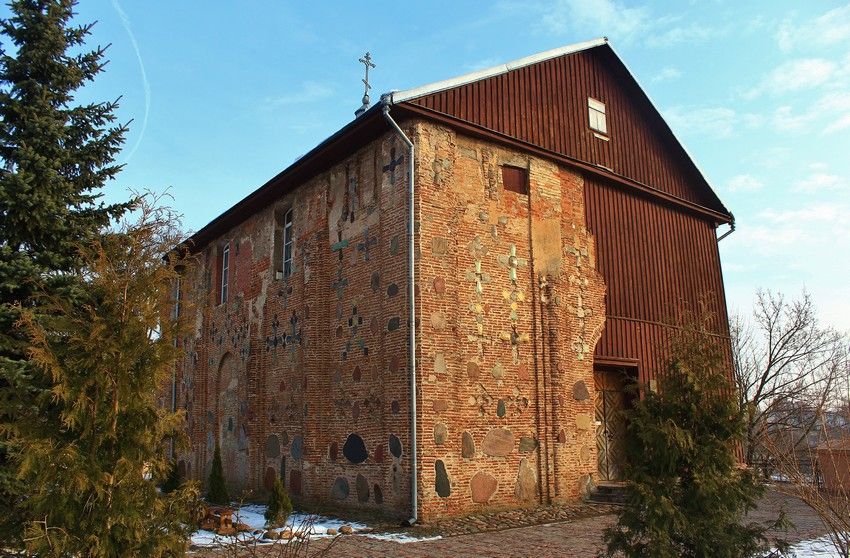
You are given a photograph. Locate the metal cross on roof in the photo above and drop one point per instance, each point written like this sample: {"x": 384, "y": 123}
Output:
{"x": 366, "y": 61}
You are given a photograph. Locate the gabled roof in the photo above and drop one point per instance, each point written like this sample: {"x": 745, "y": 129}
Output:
{"x": 370, "y": 125}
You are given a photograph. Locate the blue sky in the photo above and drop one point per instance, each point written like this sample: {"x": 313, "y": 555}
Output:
{"x": 226, "y": 94}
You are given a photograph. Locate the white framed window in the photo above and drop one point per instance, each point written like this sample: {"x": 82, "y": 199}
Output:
{"x": 287, "y": 244}
{"x": 225, "y": 269}
{"x": 596, "y": 114}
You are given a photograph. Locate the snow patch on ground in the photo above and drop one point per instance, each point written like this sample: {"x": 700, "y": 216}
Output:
{"x": 253, "y": 515}
{"x": 816, "y": 548}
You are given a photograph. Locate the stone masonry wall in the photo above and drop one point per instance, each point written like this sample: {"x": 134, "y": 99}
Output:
{"x": 305, "y": 377}
{"x": 511, "y": 307}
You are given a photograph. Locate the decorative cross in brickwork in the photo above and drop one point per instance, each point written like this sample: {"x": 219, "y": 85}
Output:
{"x": 512, "y": 262}
{"x": 393, "y": 164}
{"x": 479, "y": 277}
{"x": 513, "y": 298}
{"x": 294, "y": 335}
{"x": 515, "y": 339}
{"x": 352, "y": 197}
{"x": 354, "y": 323}
{"x": 341, "y": 282}
{"x": 284, "y": 292}
{"x": 364, "y": 246}
{"x": 273, "y": 340}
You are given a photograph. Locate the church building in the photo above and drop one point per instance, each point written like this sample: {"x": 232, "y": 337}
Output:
{"x": 436, "y": 310}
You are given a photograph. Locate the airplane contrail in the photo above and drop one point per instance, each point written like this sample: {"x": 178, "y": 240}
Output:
{"x": 125, "y": 21}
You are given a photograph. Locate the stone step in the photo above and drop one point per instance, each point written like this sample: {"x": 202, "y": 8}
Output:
{"x": 608, "y": 493}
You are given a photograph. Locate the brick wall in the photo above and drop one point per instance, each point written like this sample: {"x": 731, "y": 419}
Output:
{"x": 506, "y": 376}
{"x": 305, "y": 377}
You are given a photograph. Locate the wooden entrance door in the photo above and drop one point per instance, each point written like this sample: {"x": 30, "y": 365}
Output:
{"x": 611, "y": 402}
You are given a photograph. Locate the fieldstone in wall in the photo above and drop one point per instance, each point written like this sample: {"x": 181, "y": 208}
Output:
{"x": 499, "y": 442}
{"x": 439, "y": 285}
{"x": 580, "y": 392}
{"x": 473, "y": 370}
{"x": 482, "y": 485}
{"x": 526, "y": 482}
{"x": 439, "y": 246}
{"x": 441, "y": 481}
{"x": 354, "y": 449}
{"x": 440, "y": 433}
{"x": 527, "y": 444}
{"x": 467, "y": 445}
{"x": 583, "y": 421}
{"x": 361, "y": 486}
{"x": 440, "y": 363}
{"x": 272, "y": 446}
{"x": 438, "y": 320}
{"x": 340, "y": 488}
{"x": 297, "y": 449}
{"x": 395, "y": 446}
{"x": 441, "y": 405}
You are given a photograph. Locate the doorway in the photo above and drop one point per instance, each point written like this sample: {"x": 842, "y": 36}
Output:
{"x": 613, "y": 398}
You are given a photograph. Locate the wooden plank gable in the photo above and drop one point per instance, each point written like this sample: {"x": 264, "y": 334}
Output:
{"x": 546, "y": 104}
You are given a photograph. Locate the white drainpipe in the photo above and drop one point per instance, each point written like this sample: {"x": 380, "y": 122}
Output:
{"x": 386, "y": 101}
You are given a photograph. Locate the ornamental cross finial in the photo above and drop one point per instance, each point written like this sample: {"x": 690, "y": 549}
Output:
{"x": 367, "y": 62}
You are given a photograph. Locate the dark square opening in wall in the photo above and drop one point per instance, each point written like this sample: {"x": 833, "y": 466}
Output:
{"x": 515, "y": 179}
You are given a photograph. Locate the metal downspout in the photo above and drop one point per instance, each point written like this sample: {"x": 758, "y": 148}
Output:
{"x": 386, "y": 101}
{"x": 730, "y": 231}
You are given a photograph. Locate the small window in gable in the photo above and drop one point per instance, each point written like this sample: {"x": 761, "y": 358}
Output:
{"x": 596, "y": 112}
{"x": 284, "y": 239}
{"x": 225, "y": 271}
{"x": 515, "y": 179}
{"x": 287, "y": 243}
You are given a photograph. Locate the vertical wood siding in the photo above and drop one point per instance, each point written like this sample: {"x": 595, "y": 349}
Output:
{"x": 658, "y": 262}
{"x": 545, "y": 104}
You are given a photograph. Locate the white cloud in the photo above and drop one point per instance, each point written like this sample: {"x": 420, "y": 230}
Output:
{"x": 831, "y": 110}
{"x": 744, "y": 183}
{"x": 596, "y": 17}
{"x": 785, "y": 119}
{"x": 795, "y": 75}
{"x": 689, "y": 34}
{"x": 310, "y": 91}
{"x": 827, "y": 29}
{"x": 820, "y": 213}
{"x": 719, "y": 122}
{"x": 482, "y": 64}
{"x": 819, "y": 181}
{"x": 668, "y": 73}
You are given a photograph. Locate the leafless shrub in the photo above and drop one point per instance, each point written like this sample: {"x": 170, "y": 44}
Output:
{"x": 786, "y": 367}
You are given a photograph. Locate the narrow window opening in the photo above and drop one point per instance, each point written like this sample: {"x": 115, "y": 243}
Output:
{"x": 225, "y": 269}
{"x": 515, "y": 179}
{"x": 596, "y": 114}
{"x": 287, "y": 244}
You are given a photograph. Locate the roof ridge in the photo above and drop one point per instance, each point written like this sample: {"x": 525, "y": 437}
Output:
{"x": 427, "y": 89}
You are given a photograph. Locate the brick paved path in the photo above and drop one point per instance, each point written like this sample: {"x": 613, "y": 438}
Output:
{"x": 581, "y": 537}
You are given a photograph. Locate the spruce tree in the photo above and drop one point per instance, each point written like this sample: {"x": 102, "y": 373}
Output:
{"x": 279, "y": 507}
{"x": 687, "y": 495}
{"x": 92, "y": 465}
{"x": 216, "y": 489}
{"x": 55, "y": 156}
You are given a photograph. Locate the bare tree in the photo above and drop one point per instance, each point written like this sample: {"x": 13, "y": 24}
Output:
{"x": 825, "y": 488}
{"x": 786, "y": 368}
